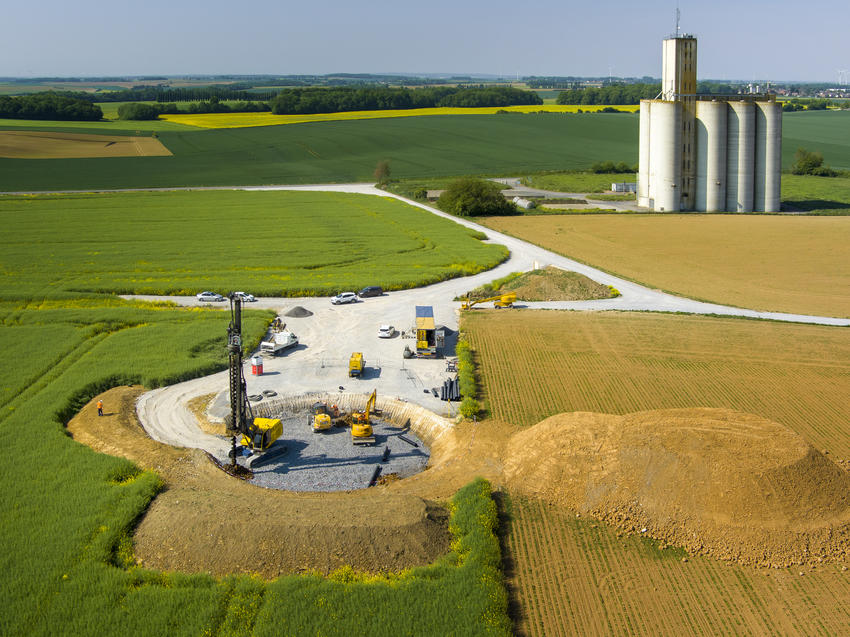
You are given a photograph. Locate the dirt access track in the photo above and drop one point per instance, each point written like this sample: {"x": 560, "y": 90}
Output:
{"x": 203, "y": 513}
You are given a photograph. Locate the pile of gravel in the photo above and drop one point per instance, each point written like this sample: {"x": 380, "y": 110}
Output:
{"x": 299, "y": 312}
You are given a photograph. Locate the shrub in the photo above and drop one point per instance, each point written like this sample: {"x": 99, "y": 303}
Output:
{"x": 475, "y": 198}
{"x": 811, "y": 163}
{"x": 469, "y": 407}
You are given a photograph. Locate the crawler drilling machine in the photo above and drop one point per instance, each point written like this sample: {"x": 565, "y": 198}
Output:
{"x": 257, "y": 434}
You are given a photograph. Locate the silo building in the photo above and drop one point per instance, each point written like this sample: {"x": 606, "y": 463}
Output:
{"x": 707, "y": 153}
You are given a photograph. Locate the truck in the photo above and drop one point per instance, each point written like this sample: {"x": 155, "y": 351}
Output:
{"x": 279, "y": 343}
{"x": 429, "y": 340}
{"x": 356, "y": 364}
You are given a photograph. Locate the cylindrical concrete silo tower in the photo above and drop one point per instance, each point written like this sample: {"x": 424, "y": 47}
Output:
{"x": 768, "y": 159}
{"x": 710, "y": 156}
{"x": 643, "y": 154}
{"x": 740, "y": 156}
{"x": 665, "y": 161}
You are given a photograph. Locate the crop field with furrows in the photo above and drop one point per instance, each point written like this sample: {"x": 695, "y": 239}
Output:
{"x": 537, "y": 364}
{"x": 576, "y": 576}
{"x": 241, "y": 120}
{"x": 342, "y": 151}
{"x": 794, "y": 264}
{"x": 825, "y": 131}
{"x": 268, "y": 243}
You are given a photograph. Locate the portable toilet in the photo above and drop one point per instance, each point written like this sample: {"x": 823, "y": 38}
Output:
{"x": 257, "y": 365}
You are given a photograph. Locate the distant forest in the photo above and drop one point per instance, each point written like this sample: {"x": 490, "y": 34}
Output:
{"x": 335, "y": 100}
{"x": 633, "y": 93}
{"x": 49, "y": 106}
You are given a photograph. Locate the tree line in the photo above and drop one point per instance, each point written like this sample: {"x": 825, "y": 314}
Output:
{"x": 49, "y": 105}
{"x": 633, "y": 93}
{"x": 146, "y": 111}
{"x": 322, "y": 100}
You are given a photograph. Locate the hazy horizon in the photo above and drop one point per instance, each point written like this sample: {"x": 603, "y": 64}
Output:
{"x": 756, "y": 41}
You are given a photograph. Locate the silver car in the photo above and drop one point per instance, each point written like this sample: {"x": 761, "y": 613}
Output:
{"x": 209, "y": 297}
{"x": 247, "y": 298}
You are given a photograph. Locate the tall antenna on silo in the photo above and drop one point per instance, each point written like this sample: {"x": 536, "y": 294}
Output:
{"x": 678, "y": 16}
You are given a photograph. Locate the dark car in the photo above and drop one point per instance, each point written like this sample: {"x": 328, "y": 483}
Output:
{"x": 372, "y": 290}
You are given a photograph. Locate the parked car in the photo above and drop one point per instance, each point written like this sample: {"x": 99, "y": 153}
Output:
{"x": 372, "y": 290}
{"x": 386, "y": 331}
{"x": 247, "y": 298}
{"x": 209, "y": 297}
{"x": 344, "y": 297}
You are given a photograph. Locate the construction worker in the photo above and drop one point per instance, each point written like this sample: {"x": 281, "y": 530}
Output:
{"x": 99, "y": 407}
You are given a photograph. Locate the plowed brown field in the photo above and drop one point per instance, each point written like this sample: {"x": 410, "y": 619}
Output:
{"x": 573, "y": 576}
{"x": 782, "y": 264}
{"x": 537, "y": 364}
{"x": 576, "y": 576}
{"x": 54, "y": 145}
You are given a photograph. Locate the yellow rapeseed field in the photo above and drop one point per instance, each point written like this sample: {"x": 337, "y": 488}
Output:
{"x": 245, "y": 120}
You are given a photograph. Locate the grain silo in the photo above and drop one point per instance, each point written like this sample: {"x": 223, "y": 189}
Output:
{"x": 709, "y": 153}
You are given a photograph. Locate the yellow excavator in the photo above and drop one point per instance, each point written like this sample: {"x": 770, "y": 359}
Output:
{"x": 361, "y": 426}
{"x": 501, "y": 300}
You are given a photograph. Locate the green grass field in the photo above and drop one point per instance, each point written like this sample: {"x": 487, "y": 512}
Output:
{"x": 825, "y": 131}
{"x": 343, "y": 151}
{"x": 269, "y": 243}
{"x": 68, "y": 511}
{"x": 348, "y": 151}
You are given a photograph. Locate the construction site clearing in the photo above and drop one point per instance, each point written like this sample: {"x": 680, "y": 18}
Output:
{"x": 306, "y": 460}
{"x": 695, "y": 484}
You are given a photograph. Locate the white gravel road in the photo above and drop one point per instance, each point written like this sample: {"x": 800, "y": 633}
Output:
{"x": 327, "y": 338}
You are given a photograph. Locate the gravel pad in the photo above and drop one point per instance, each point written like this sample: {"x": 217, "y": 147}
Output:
{"x": 329, "y": 461}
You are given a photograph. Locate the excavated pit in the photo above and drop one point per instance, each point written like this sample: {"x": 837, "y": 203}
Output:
{"x": 329, "y": 460}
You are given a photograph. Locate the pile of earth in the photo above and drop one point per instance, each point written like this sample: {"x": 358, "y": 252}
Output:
{"x": 714, "y": 481}
{"x": 554, "y": 284}
{"x": 299, "y": 312}
{"x": 546, "y": 284}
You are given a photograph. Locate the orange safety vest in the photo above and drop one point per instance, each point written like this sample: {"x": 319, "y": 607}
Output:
{"x": 100, "y": 404}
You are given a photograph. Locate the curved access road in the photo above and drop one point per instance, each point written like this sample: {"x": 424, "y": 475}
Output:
{"x": 333, "y": 332}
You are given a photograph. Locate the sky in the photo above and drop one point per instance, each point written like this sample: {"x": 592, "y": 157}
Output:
{"x": 747, "y": 40}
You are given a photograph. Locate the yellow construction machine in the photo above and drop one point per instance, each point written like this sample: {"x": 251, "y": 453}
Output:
{"x": 356, "y": 365}
{"x": 262, "y": 432}
{"x": 501, "y": 300}
{"x": 361, "y": 425}
{"x": 320, "y": 417}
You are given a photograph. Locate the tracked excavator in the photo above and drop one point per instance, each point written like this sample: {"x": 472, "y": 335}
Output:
{"x": 501, "y": 300}
{"x": 361, "y": 425}
{"x": 256, "y": 434}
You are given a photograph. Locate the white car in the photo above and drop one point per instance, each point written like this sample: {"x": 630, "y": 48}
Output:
{"x": 247, "y": 298}
{"x": 386, "y": 331}
{"x": 209, "y": 297}
{"x": 344, "y": 297}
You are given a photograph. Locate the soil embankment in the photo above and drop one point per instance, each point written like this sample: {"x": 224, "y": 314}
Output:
{"x": 207, "y": 521}
{"x": 714, "y": 481}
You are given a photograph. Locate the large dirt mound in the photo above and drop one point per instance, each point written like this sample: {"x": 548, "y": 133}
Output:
{"x": 716, "y": 481}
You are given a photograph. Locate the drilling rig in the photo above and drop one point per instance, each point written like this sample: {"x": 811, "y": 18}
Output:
{"x": 257, "y": 434}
